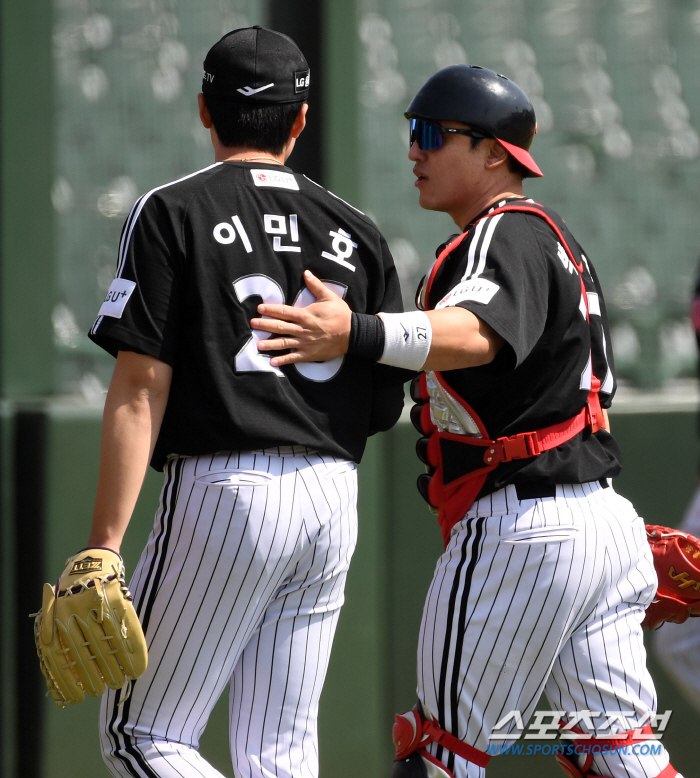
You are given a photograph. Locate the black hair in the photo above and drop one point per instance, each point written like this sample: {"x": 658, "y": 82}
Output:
{"x": 260, "y": 127}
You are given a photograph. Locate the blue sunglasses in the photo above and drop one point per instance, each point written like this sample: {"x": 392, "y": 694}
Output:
{"x": 428, "y": 134}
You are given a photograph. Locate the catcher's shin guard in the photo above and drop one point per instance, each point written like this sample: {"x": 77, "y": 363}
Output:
{"x": 420, "y": 764}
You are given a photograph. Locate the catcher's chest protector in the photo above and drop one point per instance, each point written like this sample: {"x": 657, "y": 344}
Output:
{"x": 447, "y": 486}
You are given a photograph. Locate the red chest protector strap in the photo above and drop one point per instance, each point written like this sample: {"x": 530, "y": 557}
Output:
{"x": 454, "y": 496}
{"x": 521, "y": 208}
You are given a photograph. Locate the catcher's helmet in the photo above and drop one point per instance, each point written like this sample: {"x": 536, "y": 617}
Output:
{"x": 484, "y": 100}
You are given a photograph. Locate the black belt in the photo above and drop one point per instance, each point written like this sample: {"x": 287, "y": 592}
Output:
{"x": 538, "y": 490}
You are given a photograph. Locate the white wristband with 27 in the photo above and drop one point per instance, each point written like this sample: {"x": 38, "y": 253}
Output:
{"x": 407, "y": 339}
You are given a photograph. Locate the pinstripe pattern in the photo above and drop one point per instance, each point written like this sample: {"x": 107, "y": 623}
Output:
{"x": 242, "y": 580}
{"x": 540, "y": 595}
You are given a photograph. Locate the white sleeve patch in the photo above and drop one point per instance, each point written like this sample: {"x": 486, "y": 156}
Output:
{"x": 275, "y": 179}
{"x": 117, "y": 298}
{"x": 480, "y": 290}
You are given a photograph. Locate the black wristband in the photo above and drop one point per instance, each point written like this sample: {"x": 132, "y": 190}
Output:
{"x": 366, "y": 336}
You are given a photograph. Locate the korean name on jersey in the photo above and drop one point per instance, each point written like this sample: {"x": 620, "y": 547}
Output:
{"x": 196, "y": 258}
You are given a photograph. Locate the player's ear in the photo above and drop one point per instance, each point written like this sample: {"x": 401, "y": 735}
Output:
{"x": 299, "y": 122}
{"x": 204, "y": 116}
{"x": 497, "y": 155}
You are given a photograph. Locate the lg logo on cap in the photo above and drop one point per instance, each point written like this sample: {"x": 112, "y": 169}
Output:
{"x": 302, "y": 78}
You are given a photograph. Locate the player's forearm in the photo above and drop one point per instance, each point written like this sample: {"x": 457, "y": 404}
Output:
{"x": 447, "y": 339}
{"x": 133, "y": 413}
{"x": 460, "y": 339}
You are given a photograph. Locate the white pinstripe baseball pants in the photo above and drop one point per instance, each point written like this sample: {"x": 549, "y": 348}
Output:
{"x": 241, "y": 580}
{"x": 540, "y": 595}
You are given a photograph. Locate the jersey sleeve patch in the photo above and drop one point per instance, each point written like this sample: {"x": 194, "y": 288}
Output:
{"x": 479, "y": 290}
{"x": 274, "y": 179}
{"x": 593, "y": 304}
{"x": 117, "y": 298}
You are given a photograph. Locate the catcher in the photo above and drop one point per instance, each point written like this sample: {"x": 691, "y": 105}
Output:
{"x": 546, "y": 572}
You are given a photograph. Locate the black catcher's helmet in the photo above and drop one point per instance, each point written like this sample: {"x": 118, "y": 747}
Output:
{"x": 484, "y": 100}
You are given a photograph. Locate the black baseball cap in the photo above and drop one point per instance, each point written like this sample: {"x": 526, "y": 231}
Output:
{"x": 257, "y": 66}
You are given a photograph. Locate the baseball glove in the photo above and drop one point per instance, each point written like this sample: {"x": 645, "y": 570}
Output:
{"x": 677, "y": 562}
{"x": 87, "y": 632}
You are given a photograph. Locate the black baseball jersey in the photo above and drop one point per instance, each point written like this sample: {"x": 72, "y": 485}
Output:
{"x": 513, "y": 273}
{"x": 196, "y": 258}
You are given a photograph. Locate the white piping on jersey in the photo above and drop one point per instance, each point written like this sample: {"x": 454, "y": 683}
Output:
{"x": 472, "y": 249}
{"x": 504, "y": 202}
{"x": 587, "y": 374}
{"x": 607, "y": 385}
{"x": 582, "y": 306}
{"x": 138, "y": 207}
{"x": 594, "y": 310}
{"x": 131, "y": 221}
{"x": 311, "y": 181}
{"x": 486, "y": 243}
{"x": 490, "y": 225}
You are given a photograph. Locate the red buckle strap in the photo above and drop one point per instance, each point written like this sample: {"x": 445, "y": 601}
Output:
{"x": 531, "y": 444}
{"x": 595, "y": 418}
{"x": 438, "y": 735}
{"x": 520, "y": 446}
{"x": 412, "y": 732}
